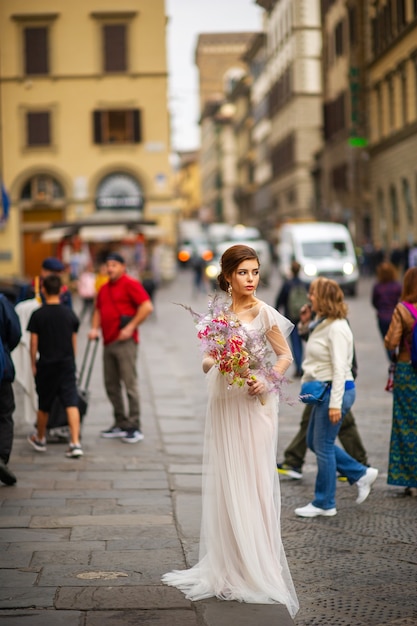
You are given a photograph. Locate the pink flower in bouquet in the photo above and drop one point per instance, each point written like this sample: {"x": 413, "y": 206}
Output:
{"x": 238, "y": 352}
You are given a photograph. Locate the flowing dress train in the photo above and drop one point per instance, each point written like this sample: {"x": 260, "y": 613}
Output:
{"x": 241, "y": 555}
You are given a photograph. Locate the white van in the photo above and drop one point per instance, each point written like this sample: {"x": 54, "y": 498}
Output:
{"x": 322, "y": 249}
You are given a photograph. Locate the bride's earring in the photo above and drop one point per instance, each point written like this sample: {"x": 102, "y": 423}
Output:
{"x": 229, "y": 290}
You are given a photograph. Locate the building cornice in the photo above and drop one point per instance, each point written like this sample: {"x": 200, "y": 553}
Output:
{"x": 258, "y": 42}
{"x": 34, "y": 17}
{"x": 268, "y": 5}
{"x": 411, "y": 26}
{"x": 99, "y": 76}
{"x": 113, "y": 15}
{"x": 395, "y": 138}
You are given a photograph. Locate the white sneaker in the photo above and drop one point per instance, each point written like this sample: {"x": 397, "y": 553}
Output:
{"x": 314, "y": 511}
{"x": 133, "y": 436}
{"x": 365, "y": 483}
{"x": 74, "y": 451}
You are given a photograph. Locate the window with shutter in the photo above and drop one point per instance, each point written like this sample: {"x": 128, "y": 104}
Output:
{"x": 117, "y": 126}
{"x": 36, "y": 50}
{"x": 38, "y": 126}
{"x": 114, "y": 45}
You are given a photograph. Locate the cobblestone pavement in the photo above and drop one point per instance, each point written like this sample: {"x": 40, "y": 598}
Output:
{"x": 84, "y": 542}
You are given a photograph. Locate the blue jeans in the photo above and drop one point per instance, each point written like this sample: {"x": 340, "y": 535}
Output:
{"x": 297, "y": 348}
{"x": 321, "y": 436}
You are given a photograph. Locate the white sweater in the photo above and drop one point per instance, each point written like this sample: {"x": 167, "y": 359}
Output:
{"x": 328, "y": 357}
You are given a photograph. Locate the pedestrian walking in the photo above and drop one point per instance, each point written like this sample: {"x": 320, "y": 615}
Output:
{"x": 295, "y": 452}
{"x": 52, "y": 266}
{"x": 10, "y": 333}
{"x": 241, "y": 553}
{"x": 53, "y": 335}
{"x": 328, "y": 364}
{"x": 386, "y": 293}
{"x": 23, "y": 362}
{"x": 292, "y": 297}
{"x": 402, "y": 468}
{"x": 86, "y": 286}
{"x": 122, "y": 304}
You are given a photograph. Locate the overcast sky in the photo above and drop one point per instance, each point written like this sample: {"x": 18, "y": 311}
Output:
{"x": 187, "y": 19}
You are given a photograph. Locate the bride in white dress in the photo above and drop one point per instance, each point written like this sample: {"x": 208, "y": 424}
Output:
{"x": 241, "y": 555}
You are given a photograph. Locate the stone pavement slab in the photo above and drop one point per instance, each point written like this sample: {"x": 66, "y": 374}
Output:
{"x": 178, "y": 617}
{"x": 218, "y": 613}
{"x": 26, "y": 597}
{"x": 121, "y": 597}
{"x": 34, "y": 617}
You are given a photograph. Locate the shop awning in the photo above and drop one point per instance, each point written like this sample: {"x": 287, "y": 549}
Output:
{"x": 53, "y": 235}
{"x": 105, "y": 233}
{"x": 151, "y": 231}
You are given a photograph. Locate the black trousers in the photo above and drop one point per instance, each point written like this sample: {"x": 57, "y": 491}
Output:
{"x": 7, "y": 406}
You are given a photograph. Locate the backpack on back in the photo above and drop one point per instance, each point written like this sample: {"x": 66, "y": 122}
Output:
{"x": 413, "y": 346}
{"x": 297, "y": 298}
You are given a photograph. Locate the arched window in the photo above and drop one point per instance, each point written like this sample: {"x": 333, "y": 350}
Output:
{"x": 42, "y": 189}
{"x": 119, "y": 191}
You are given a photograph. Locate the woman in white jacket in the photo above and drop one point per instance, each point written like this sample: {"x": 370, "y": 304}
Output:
{"x": 328, "y": 359}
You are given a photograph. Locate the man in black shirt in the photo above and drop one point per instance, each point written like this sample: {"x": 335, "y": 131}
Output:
{"x": 53, "y": 329}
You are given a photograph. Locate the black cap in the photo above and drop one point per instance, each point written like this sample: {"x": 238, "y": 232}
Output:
{"x": 115, "y": 256}
{"x": 53, "y": 264}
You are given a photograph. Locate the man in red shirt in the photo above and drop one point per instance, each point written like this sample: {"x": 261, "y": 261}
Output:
{"x": 121, "y": 305}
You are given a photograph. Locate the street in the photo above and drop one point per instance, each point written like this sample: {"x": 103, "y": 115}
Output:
{"x": 85, "y": 542}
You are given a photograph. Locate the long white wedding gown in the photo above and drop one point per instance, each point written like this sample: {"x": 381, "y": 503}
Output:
{"x": 241, "y": 555}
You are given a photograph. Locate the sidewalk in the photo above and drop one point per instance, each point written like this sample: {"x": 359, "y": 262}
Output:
{"x": 84, "y": 542}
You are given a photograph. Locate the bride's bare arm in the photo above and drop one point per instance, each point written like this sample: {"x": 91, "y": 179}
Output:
{"x": 207, "y": 364}
{"x": 281, "y": 348}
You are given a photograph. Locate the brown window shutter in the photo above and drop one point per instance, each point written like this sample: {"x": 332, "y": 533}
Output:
{"x": 38, "y": 129}
{"x": 36, "y": 50}
{"x": 137, "y": 125}
{"x": 114, "y": 36}
{"x": 97, "y": 127}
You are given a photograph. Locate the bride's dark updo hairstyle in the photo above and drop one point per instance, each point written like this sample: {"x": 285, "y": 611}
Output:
{"x": 230, "y": 261}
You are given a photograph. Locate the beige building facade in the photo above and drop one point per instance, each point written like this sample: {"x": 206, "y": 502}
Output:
{"x": 84, "y": 121}
{"x": 392, "y": 67}
{"x": 341, "y": 169}
{"x": 293, "y": 71}
{"x": 220, "y": 63}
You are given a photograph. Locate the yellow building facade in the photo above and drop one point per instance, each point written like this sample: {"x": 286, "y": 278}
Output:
{"x": 84, "y": 121}
{"x": 188, "y": 185}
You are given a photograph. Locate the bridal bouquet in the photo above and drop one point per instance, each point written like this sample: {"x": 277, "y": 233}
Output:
{"x": 237, "y": 351}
